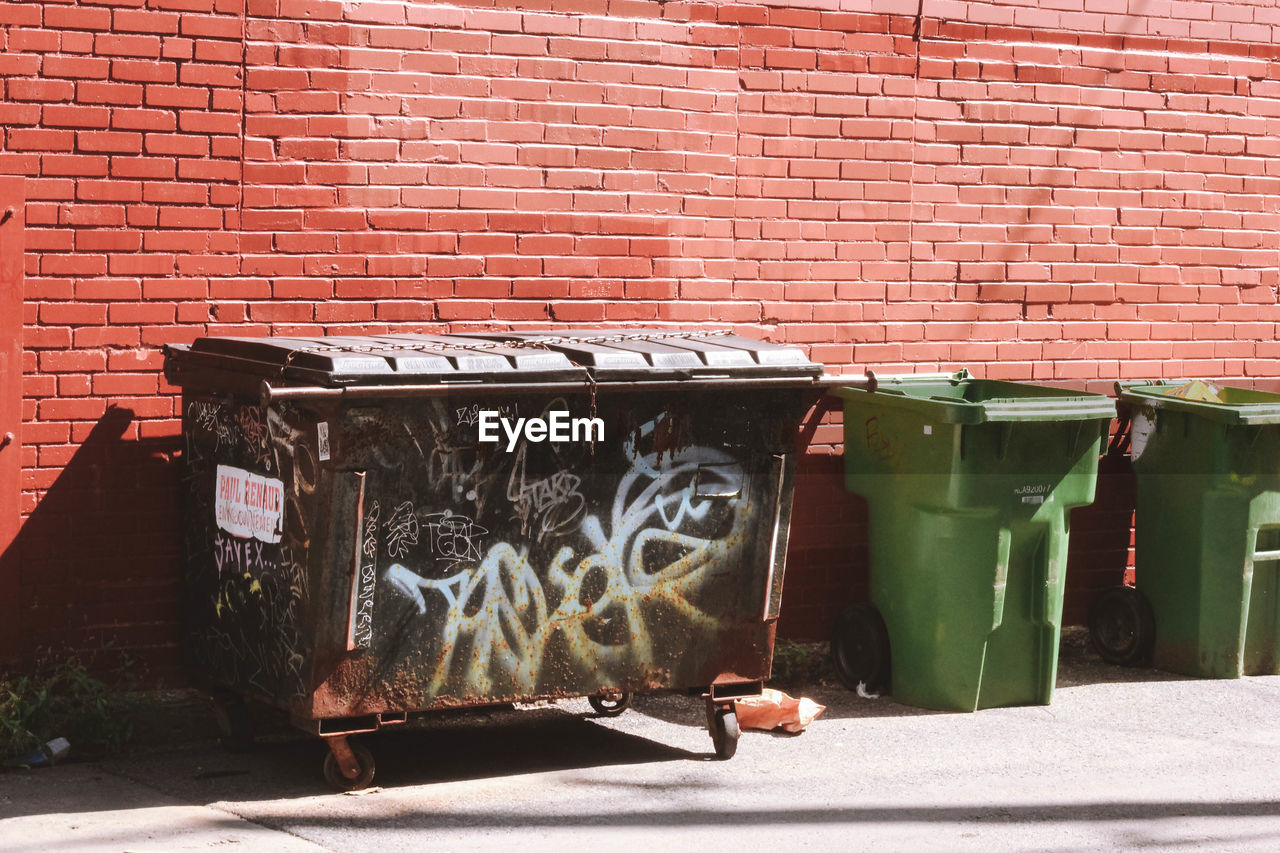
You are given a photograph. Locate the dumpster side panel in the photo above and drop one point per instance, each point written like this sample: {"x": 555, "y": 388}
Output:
{"x": 503, "y": 571}
{"x": 252, "y": 490}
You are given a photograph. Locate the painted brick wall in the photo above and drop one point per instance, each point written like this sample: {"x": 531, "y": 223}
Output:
{"x": 1068, "y": 191}
{"x": 125, "y": 117}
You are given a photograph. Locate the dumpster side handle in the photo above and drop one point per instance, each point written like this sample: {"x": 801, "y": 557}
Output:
{"x": 267, "y": 393}
{"x": 353, "y": 575}
{"x": 778, "y": 541}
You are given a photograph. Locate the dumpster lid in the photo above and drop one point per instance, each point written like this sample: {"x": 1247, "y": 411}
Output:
{"x": 664, "y": 353}
{"x": 343, "y": 360}
{"x": 1226, "y": 404}
{"x": 500, "y": 357}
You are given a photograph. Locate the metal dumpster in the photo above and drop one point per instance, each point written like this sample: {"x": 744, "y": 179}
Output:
{"x": 1206, "y": 533}
{"x": 379, "y": 526}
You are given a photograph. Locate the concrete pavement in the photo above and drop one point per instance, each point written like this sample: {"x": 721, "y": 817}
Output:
{"x": 1123, "y": 759}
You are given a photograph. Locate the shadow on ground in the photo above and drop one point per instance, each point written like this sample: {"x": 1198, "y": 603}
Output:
{"x": 178, "y": 755}
{"x": 494, "y": 745}
{"x": 1078, "y": 666}
{"x": 1092, "y": 812}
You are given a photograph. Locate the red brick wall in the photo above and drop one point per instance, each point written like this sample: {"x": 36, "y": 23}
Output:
{"x": 125, "y": 116}
{"x": 1067, "y": 191}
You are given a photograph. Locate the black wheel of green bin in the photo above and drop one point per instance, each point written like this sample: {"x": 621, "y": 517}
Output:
{"x": 1122, "y": 626}
{"x": 860, "y": 649}
{"x": 610, "y": 704}
{"x": 236, "y": 726}
{"x": 725, "y": 732}
{"x": 337, "y": 781}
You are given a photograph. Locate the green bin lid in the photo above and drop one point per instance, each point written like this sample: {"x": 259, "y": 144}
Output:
{"x": 960, "y": 398}
{"x": 1222, "y": 403}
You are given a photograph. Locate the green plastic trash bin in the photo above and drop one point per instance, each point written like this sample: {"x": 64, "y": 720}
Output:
{"x": 1207, "y": 533}
{"x": 968, "y": 484}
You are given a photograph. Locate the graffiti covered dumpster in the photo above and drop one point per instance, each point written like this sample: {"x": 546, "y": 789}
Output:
{"x": 969, "y": 483}
{"x": 1206, "y": 533}
{"x": 379, "y": 526}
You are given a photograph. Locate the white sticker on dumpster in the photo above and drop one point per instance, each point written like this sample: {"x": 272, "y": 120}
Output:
{"x": 249, "y": 505}
{"x": 322, "y": 440}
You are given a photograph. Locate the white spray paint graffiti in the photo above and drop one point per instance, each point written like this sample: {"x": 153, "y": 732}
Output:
{"x": 504, "y": 615}
{"x": 470, "y": 415}
{"x": 402, "y": 529}
{"x": 366, "y": 583}
{"x": 454, "y": 538}
{"x": 212, "y": 417}
{"x": 251, "y": 424}
{"x": 257, "y": 587}
{"x": 454, "y": 463}
{"x": 553, "y": 502}
{"x": 234, "y": 555}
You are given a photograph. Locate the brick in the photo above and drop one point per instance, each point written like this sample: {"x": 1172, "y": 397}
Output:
{"x": 144, "y": 21}
{"x": 73, "y": 164}
{"x": 146, "y": 46}
{"x": 73, "y": 314}
{"x": 40, "y": 139}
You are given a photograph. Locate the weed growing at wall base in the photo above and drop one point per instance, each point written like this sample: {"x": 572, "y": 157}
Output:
{"x": 800, "y": 664}
{"x": 61, "y": 699}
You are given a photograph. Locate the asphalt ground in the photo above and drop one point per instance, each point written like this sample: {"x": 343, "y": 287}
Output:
{"x": 1124, "y": 759}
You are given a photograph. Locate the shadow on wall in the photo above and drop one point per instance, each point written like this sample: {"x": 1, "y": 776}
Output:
{"x": 827, "y": 548}
{"x": 98, "y": 558}
{"x": 1099, "y": 555}
{"x": 827, "y": 565}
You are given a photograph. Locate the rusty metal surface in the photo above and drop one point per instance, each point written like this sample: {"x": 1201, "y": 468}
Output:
{"x": 247, "y": 601}
{"x": 419, "y": 568}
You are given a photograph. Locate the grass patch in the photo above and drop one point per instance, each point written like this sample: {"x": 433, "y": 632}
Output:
{"x": 62, "y": 699}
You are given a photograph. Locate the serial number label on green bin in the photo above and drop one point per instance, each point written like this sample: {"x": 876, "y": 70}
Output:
{"x": 1033, "y": 494}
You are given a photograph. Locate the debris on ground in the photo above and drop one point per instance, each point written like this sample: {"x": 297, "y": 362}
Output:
{"x": 48, "y": 754}
{"x": 774, "y": 709}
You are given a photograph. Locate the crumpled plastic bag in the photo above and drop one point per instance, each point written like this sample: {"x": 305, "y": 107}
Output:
{"x": 774, "y": 709}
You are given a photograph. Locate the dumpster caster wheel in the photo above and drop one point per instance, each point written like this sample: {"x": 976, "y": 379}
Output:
{"x": 610, "y": 704}
{"x": 338, "y": 780}
{"x": 860, "y": 649}
{"x": 725, "y": 732}
{"x": 1122, "y": 626}
{"x": 235, "y": 725}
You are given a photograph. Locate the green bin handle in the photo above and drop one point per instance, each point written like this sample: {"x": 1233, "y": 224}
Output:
{"x": 1004, "y": 543}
